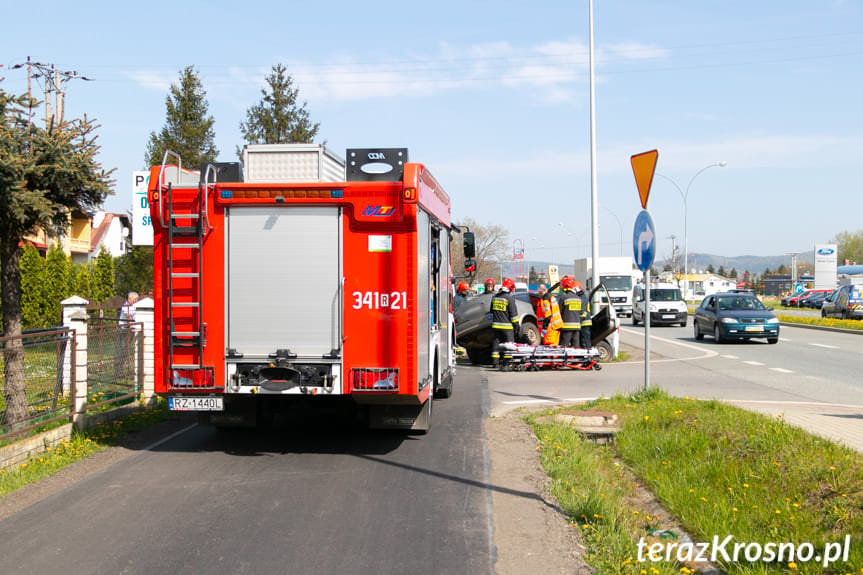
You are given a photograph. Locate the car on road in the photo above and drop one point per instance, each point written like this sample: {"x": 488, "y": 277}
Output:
{"x": 735, "y": 316}
{"x": 845, "y": 303}
{"x": 666, "y": 305}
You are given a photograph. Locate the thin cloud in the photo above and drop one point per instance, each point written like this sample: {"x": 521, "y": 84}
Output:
{"x": 552, "y": 66}
{"x": 159, "y": 81}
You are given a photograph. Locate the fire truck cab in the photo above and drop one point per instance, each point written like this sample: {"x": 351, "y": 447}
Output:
{"x": 302, "y": 278}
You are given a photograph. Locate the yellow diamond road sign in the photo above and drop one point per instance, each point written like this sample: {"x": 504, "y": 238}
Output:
{"x": 643, "y": 166}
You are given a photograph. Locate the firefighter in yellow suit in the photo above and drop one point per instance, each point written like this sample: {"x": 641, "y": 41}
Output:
{"x": 586, "y": 317}
{"x": 570, "y": 312}
{"x": 504, "y": 319}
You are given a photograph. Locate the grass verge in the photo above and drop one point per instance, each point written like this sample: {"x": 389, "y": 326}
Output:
{"x": 854, "y": 324}
{"x": 79, "y": 446}
{"x": 717, "y": 469}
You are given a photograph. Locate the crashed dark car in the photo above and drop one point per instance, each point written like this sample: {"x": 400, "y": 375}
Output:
{"x": 474, "y": 332}
{"x": 473, "y": 326}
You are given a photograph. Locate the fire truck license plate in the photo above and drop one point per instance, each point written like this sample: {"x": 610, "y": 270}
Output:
{"x": 195, "y": 404}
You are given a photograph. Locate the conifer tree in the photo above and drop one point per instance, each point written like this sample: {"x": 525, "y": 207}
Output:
{"x": 188, "y": 128}
{"x": 56, "y": 284}
{"x": 83, "y": 286}
{"x": 33, "y": 296}
{"x": 44, "y": 174}
{"x": 103, "y": 276}
{"x": 278, "y": 118}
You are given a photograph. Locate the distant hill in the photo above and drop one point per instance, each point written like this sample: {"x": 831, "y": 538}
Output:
{"x": 699, "y": 261}
{"x": 754, "y": 264}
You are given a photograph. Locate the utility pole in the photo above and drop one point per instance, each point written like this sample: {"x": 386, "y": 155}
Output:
{"x": 53, "y": 85}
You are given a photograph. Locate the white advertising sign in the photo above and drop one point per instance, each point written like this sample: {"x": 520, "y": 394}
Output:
{"x": 142, "y": 227}
{"x": 825, "y": 266}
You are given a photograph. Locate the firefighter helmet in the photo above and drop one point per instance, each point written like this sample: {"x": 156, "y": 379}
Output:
{"x": 462, "y": 288}
{"x": 567, "y": 282}
{"x": 509, "y": 284}
{"x": 576, "y": 285}
{"x": 489, "y": 285}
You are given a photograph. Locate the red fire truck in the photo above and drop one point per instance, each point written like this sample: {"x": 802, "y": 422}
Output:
{"x": 299, "y": 278}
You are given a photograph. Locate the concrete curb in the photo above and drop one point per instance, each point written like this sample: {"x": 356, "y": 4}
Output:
{"x": 822, "y": 328}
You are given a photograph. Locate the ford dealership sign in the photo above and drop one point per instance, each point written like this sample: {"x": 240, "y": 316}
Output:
{"x": 825, "y": 266}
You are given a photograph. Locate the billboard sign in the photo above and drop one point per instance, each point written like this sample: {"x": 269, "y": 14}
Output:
{"x": 825, "y": 266}
{"x": 142, "y": 227}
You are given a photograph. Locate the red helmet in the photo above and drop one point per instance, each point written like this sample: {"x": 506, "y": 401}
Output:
{"x": 462, "y": 287}
{"x": 567, "y": 282}
{"x": 508, "y": 284}
{"x": 576, "y": 285}
{"x": 489, "y": 285}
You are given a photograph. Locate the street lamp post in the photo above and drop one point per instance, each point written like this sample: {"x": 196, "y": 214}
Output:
{"x": 619, "y": 225}
{"x": 685, "y": 196}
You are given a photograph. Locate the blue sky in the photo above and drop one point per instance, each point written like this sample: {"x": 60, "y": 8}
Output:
{"x": 493, "y": 96}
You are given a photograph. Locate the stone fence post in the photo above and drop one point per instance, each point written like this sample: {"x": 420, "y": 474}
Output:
{"x": 144, "y": 314}
{"x": 75, "y": 318}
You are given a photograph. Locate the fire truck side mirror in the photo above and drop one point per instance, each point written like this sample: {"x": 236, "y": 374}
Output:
{"x": 469, "y": 245}
{"x": 469, "y": 265}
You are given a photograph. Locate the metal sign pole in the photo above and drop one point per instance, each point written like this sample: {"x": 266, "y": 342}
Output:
{"x": 646, "y": 329}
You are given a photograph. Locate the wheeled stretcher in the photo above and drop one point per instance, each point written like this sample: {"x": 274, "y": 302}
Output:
{"x": 526, "y": 357}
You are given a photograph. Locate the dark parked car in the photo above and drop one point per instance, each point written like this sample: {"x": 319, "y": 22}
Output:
{"x": 815, "y": 299}
{"x": 846, "y": 302}
{"x": 797, "y": 299}
{"x": 474, "y": 333}
{"x": 730, "y": 316}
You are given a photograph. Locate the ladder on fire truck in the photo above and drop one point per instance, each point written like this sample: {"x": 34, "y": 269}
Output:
{"x": 187, "y": 227}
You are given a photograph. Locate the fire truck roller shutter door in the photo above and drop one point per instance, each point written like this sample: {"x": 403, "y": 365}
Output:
{"x": 284, "y": 270}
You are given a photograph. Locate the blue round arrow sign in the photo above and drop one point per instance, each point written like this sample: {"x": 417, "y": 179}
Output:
{"x": 643, "y": 241}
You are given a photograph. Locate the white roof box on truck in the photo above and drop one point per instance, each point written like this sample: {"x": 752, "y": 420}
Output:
{"x": 291, "y": 163}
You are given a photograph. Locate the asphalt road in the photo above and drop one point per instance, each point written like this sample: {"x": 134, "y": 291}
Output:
{"x": 805, "y": 366}
{"x": 306, "y": 499}
{"x": 319, "y": 498}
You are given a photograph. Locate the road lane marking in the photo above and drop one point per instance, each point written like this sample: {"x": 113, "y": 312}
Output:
{"x": 706, "y": 353}
{"x": 729, "y": 356}
{"x": 824, "y": 345}
{"x": 528, "y": 401}
{"x": 753, "y": 363}
{"x": 785, "y": 339}
{"x": 781, "y": 370}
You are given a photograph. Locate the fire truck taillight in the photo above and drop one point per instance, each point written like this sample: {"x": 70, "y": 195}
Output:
{"x": 192, "y": 378}
{"x": 410, "y": 195}
{"x": 375, "y": 379}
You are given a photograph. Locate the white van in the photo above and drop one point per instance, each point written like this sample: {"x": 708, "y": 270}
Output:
{"x": 666, "y": 305}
